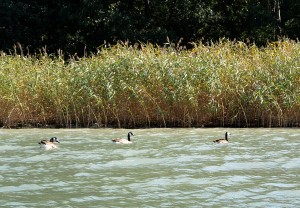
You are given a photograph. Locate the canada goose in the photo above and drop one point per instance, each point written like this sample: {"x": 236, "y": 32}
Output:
{"x": 49, "y": 144}
{"x": 123, "y": 141}
{"x": 222, "y": 141}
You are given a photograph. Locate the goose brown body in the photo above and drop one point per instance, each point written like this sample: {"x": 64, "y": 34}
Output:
{"x": 222, "y": 141}
{"x": 49, "y": 144}
{"x": 123, "y": 141}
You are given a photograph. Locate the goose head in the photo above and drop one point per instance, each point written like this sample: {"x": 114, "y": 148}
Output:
{"x": 54, "y": 139}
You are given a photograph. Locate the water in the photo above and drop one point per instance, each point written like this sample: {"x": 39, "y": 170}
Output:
{"x": 162, "y": 168}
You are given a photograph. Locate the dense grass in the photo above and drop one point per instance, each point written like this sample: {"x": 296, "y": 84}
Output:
{"x": 223, "y": 84}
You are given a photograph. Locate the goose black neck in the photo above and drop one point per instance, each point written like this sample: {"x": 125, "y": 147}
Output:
{"x": 128, "y": 136}
{"x": 226, "y": 136}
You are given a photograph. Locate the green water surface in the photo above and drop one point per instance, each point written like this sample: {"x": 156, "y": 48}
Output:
{"x": 162, "y": 168}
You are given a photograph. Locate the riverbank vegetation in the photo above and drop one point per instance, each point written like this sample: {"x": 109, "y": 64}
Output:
{"x": 217, "y": 84}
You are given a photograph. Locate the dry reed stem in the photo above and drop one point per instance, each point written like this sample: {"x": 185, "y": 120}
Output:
{"x": 222, "y": 84}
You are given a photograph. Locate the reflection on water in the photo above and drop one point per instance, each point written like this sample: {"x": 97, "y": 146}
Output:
{"x": 162, "y": 168}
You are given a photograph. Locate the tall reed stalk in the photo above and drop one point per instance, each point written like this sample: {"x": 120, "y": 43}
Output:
{"x": 220, "y": 84}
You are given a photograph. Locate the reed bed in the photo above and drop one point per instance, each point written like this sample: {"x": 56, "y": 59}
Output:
{"x": 220, "y": 84}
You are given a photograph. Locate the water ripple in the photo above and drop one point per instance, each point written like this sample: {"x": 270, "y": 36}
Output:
{"x": 162, "y": 168}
